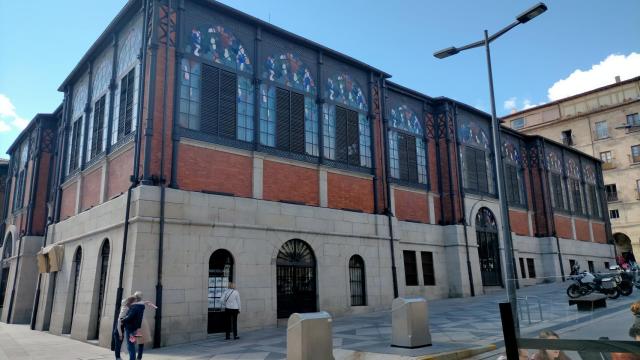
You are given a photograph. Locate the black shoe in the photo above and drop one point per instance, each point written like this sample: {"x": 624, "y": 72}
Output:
{"x": 236, "y": 338}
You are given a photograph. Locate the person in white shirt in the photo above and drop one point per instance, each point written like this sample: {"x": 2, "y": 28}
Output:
{"x": 231, "y": 303}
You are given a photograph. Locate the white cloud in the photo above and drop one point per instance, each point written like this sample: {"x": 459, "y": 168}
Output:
{"x": 510, "y": 104}
{"x": 8, "y": 114}
{"x": 599, "y": 75}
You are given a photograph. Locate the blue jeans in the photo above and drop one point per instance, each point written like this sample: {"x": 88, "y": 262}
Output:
{"x": 131, "y": 346}
{"x": 117, "y": 343}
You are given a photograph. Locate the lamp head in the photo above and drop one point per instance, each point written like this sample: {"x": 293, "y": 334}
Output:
{"x": 531, "y": 13}
{"x": 446, "y": 52}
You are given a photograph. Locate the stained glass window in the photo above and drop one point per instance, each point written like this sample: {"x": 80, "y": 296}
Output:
{"x": 471, "y": 132}
{"x": 130, "y": 46}
{"x": 79, "y": 98}
{"x": 102, "y": 76}
{"x": 290, "y": 70}
{"x": 514, "y": 182}
{"x": 403, "y": 118}
{"x": 218, "y": 44}
{"x": 245, "y": 109}
{"x": 344, "y": 89}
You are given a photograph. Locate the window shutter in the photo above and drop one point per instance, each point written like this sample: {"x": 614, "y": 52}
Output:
{"x": 122, "y": 113}
{"x": 75, "y": 144}
{"x": 130, "y": 87}
{"x": 341, "y": 135}
{"x": 471, "y": 175}
{"x": 227, "y": 116}
{"x": 98, "y": 126}
{"x": 283, "y": 113}
{"x": 353, "y": 138}
{"x": 481, "y": 171}
{"x": 210, "y": 100}
{"x": 297, "y": 123}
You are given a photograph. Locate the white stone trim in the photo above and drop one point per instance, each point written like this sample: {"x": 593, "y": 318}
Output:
{"x": 212, "y": 146}
{"x": 258, "y": 175}
{"x": 432, "y": 208}
{"x": 323, "y": 187}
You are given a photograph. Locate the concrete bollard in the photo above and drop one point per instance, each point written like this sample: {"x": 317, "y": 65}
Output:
{"x": 309, "y": 336}
{"x": 410, "y": 323}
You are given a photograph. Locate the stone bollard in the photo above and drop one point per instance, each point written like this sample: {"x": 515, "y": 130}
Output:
{"x": 410, "y": 323}
{"x": 309, "y": 336}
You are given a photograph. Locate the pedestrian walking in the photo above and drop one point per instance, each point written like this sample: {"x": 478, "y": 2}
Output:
{"x": 232, "y": 307}
{"x": 143, "y": 333}
{"x": 118, "y": 330}
{"x": 131, "y": 323}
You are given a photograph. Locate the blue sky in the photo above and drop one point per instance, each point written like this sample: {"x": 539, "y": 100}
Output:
{"x": 41, "y": 41}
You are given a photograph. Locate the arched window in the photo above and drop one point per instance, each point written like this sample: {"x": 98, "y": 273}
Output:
{"x": 216, "y": 87}
{"x": 220, "y": 275}
{"x": 407, "y": 148}
{"x": 557, "y": 185}
{"x": 75, "y": 277}
{"x": 296, "y": 278}
{"x": 576, "y": 187}
{"x": 513, "y": 170}
{"x": 357, "y": 281}
{"x": 103, "y": 267}
{"x": 475, "y": 153}
{"x": 488, "y": 247}
{"x": 346, "y": 129}
{"x": 288, "y": 110}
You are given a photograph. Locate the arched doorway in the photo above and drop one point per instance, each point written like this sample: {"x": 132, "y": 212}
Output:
{"x": 624, "y": 250}
{"x": 220, "y": 275}
{"x": 4, "y": 267}
{"x": 296, "y": 278}
{"x": 488, "y": 248}
{"x": 103, "y": 268}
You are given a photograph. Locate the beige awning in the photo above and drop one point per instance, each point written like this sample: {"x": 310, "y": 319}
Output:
{"x": 50, "y": 258}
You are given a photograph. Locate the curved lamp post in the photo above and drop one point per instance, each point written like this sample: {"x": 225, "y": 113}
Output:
{"x": 495, "y": 130}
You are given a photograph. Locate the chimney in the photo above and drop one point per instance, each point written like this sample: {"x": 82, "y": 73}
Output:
{"x": 617, "y": 79}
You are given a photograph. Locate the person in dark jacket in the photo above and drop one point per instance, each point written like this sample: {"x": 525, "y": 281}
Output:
{"x": 131, "y": 323}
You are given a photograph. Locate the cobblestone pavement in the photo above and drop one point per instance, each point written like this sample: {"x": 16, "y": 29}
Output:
{"x": 460, "y": 323}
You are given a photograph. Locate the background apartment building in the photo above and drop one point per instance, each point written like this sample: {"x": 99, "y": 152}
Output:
{"x": 604, "y": 123}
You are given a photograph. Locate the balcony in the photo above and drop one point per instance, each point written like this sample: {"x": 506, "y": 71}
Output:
{"x": 612, "y": 196}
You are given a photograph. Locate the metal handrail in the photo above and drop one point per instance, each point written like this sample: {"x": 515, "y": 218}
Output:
{"x": 526, "y": 303}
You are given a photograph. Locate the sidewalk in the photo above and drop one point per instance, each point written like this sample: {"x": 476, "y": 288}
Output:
{"x": 456, "y": 325}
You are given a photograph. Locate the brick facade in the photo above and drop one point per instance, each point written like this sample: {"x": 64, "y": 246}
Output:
{"x": 411, "y": 206}
{"x": 290, "y": 183}
{"x": 350, "y": 192}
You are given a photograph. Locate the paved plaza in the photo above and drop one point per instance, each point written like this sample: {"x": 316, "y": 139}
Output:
{"x": 456, "y": 324}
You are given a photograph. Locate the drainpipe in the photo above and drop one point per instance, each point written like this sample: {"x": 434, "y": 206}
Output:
{"x": 136, "y": 159}
{"x": 388, "y": 211}
{"x": 463, "y": 206}
{"x": 15, "y": 274}
{"x": 158, "y": 316}
{"x": 175, "y": 137}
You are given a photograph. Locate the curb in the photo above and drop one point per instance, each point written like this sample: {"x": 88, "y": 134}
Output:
{"x": 459, "y": 354}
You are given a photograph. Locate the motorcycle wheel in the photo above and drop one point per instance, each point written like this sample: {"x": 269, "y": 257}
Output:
{"x": 625, "y": 290}
{"x": 574, "y": 291}
{"x": 614, "y": 294}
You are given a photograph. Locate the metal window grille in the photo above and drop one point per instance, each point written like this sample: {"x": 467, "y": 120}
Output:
{"x": 532, "y": 268}
{"x": 410, "y": 268}
{"x": 357, "y": 281}
{"x": 428, "y": 273}
{"x": 218, "y": 105}
{"x": 612, "y": 192}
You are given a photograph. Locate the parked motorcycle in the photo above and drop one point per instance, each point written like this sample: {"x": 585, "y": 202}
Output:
{"x": 625, "y": 280}
{"x": 586, "y": 283}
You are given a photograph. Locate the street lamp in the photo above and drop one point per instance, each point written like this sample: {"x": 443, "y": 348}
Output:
{"x": 497, "y": 144}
